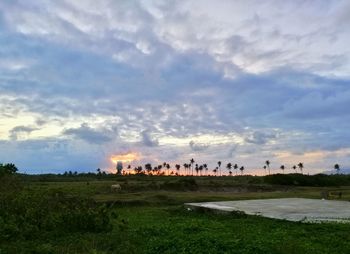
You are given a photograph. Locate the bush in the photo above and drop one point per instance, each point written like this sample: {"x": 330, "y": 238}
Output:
{"x": 7, "y": 169}
{"x": 181, "y": 185}
{"x": 308, "y": 180}
{"x": 29, "y": 215}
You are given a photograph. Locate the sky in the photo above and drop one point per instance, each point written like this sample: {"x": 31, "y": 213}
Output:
{"x": 237, "y": 81}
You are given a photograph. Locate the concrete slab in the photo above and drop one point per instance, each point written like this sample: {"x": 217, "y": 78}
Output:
{"x": 292, "y": 209}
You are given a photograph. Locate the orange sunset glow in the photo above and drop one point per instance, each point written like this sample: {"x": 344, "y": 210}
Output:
{"x": 125, "y": 157}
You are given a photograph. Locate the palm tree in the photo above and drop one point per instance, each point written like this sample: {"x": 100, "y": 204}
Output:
{"x": 268, "y": 165}
{"x": 159, "y": 169}
{"x": 186, "y": 167}
{"x": 219, "y": 164}
{"x": 295, "y": 168}
{"x": 264, "y": 167}
{"x": 241, "y": 169}
{"x": 301, "y": 166}
{"x": 197, "y": 169}
{"x": 167, "y": 167}
{"x": 200, "y": 168}
{"x": 236, "y": 168}
{"x": 229, "y": 166}
{"x": 129, "y": 168}
{"x": 205, "y": 167}
{"x": 148, "y": 168}
{"x": 282, "y": 168}
{"x": 215, "y": 171}
{"x": 138, "y": 170}
{"x": 192, "y": 162}
{"x": 177, "y": 166}
{"x": 337, "y": 168}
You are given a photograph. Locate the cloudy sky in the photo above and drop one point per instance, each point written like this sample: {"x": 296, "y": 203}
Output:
{"x": 236, "y": 81}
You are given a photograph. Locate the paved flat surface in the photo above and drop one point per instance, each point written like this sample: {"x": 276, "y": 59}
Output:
{"x": 292, "y": 209}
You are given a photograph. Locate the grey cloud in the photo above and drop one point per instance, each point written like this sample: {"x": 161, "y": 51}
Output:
{"x": 18, "y": 130}
{"x": 40, "y": 122}
{"x": 197, "y": 147}
{"x": 148, "y": 140}
{"x": 260, "y": 138}
{"x": 319, "y": 104}
{"x": 231, "y": 151}
{"x": 123, "y": 31}
{"x": 91, "y": 135}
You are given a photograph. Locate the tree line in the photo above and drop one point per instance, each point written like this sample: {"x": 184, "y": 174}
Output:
{"x": 194, "y": 169}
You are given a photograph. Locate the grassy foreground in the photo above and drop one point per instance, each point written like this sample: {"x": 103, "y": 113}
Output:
{"x": 147, "y": 216}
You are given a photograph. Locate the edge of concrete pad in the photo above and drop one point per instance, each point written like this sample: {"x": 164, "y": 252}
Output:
{"x": 212, "y": 207}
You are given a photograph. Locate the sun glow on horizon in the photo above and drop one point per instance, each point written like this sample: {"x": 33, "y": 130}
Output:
{"x": 125, "y": 157}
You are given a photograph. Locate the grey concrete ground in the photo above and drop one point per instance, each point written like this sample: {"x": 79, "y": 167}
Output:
{"x": 292, "y": 209}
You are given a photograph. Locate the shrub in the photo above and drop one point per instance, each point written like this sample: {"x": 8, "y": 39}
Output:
{"x": 28, "y": 215}
{"x": 308, "y": 180}
{"x": 181, "y": 184}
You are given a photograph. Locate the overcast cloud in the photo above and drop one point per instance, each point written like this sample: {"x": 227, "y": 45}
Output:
{"x": 237, "y": 81}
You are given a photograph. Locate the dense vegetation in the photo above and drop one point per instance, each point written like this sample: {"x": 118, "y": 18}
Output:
{"x": 79, "y": 213}
{"x": 28, "y": 215}
{"x": 294, "y": 179}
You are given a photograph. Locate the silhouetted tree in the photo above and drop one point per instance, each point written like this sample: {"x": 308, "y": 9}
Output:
{"x": 236, "y": 168}
{"x": 8, "y": 169}
{"x": 186, "y": 168}
{"x": 219, "y": 167}
{"x": 200, "y": 168}
{"x": 301, "y": 166}
{"x": 295, "y": 168}
{"x": 205, "y": 166}
{"x": 138, "y": 170}
{"x": 241, "y": 169}
{"x": 148, "y": 168}
{"x": 177, "y": 166}
{"x": 167, "y": 167}
{"x": 268, "y": 165}
{"x": 337, "y": 168}
{"x": 158, "y": 169}
{"x": 229, "y": 167}
{"x": 192, "y": 162}
{"x": 282, "y": 168}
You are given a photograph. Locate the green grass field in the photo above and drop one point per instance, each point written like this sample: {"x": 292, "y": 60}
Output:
{"x": 149, "y": 217}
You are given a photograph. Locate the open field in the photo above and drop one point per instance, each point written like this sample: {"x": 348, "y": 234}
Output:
{"x": 147, "y": 216}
